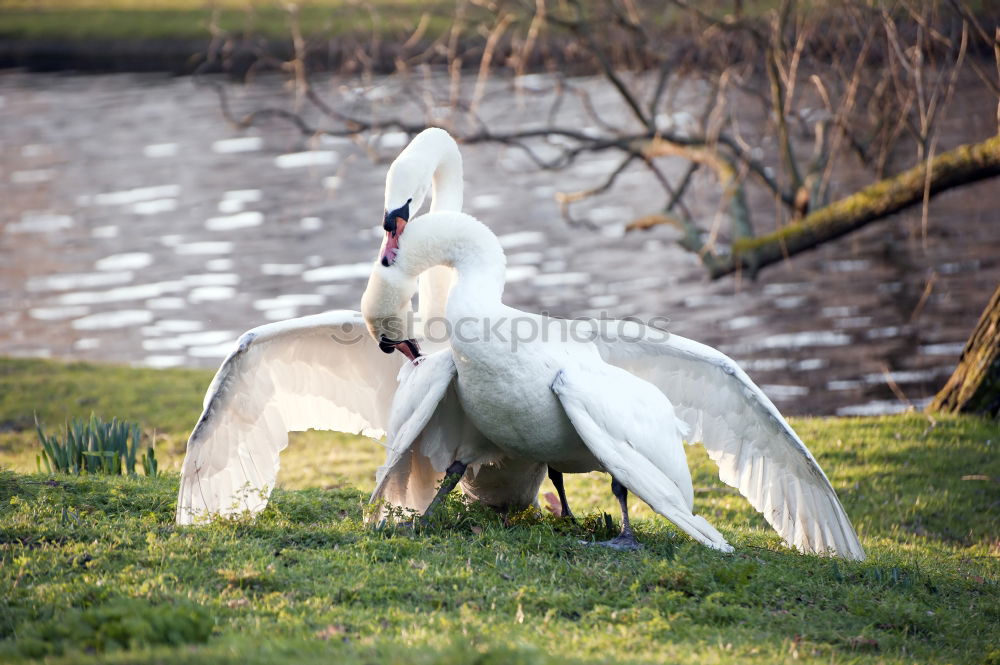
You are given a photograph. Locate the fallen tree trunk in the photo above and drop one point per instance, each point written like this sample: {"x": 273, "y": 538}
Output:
{"x": 975, "y": 385}
{"x": 961, "y": 166}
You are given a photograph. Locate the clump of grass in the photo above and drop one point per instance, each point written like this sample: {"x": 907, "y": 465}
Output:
{"x": 95, "y": 446}
{"x": 122, "y": 624}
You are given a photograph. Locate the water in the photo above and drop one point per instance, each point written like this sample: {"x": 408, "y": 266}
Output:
{"x": 138, "y": 227}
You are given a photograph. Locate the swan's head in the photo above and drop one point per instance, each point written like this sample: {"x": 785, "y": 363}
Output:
{"x": 451, "y": 239}
{"x": 430, "y": 162}
{"x": 386, "y": 308}
{"x": 393, "y": 222}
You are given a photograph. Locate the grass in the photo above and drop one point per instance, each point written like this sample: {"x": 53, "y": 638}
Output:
{"x": 189, "y": 20}
{"x": 92, "y": 569}
{"x": 77, "y": 20}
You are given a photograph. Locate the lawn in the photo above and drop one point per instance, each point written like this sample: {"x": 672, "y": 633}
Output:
{"x": 94, "y": 570}
{"x": 76, "y": 20}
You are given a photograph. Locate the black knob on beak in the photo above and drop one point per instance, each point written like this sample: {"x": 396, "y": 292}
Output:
{"x": 403, "y": 212}
{"x": 390, "y": 222}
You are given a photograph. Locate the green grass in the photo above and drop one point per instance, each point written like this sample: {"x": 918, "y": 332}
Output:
{"x": 190, "y": 19}
{"x": 92, "y": 569}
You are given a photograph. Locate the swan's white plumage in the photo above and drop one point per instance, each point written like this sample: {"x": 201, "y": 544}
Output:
{"x": 408, "y": 475}
{"x": 631, "y": 428}
{"x": 428, "y": 430}
{"x": 314, "y": 372}
{"x": 755, "y": 448}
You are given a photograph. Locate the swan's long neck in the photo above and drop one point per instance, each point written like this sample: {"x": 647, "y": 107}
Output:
{"x": 461, "y": 242}
{"x": 447, "y": 194}
{"x": 431, "y": 160}
{"x": 446, "y": 179}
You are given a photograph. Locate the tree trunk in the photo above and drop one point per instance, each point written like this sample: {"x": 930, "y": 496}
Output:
{"x": 975, "y": 385}
{"x": 963, "y": 165}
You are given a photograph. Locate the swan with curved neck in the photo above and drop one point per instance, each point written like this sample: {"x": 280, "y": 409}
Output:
{"x": 322, "y": 372}
{"x": 579, "y": 403}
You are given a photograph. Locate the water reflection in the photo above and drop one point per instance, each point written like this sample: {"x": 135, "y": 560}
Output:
{"x": 240, "y": 220}
{"x": 298, "y": 160}
{"x": 40, "y": 222}
{"x": 241, "y": 144}
{"x": 124, "y": 318}
{"x": 333, "y": 273}
{"x": 125, "y": 261}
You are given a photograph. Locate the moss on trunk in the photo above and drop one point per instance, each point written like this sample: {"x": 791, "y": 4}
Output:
{"x": 975, "y": 385}
{"x": 963, "y": 165}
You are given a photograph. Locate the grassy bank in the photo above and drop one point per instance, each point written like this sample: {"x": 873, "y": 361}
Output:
{"x": 190, "y": 19}
{"x": 93, "y": 569}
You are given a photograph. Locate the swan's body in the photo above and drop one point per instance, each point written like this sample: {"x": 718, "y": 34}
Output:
{"x": 324, "y": 372}
{"x": 574, "y": 402}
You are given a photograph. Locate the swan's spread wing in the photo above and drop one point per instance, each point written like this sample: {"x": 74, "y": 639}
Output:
{"x": 756, "y": 450}
{"x": 621, "y": 422}
{"x": 314, "y": 372}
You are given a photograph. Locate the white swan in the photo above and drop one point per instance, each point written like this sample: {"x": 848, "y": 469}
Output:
{"x": 324, "y": 372}
{"x": 582, "y": 398}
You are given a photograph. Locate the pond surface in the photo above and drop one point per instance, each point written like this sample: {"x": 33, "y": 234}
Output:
{"x": 138, "y": 227}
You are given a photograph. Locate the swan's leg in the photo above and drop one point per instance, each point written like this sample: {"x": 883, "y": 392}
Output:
{"x": 626, "y": 539}
{"x": 557, "y": 481}
{"x": 453, "y": 474}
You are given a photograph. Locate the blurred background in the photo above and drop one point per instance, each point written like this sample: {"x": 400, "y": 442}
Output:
{"x": 786, "y": 183}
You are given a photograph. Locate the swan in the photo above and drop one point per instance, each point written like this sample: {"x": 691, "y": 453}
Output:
{"x": 324, "y": 372}
{"x": 581, "y": 396}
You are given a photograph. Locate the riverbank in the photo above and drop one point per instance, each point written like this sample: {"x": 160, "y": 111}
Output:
{"x": 184, "y": 36}
{"x": 176, "y": 35}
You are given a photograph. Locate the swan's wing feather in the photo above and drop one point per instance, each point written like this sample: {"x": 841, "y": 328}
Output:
{"x": 620, "y": 423}
{"x": 756, "y": 450}
{"x": 313, "y": 372}
{"x": 408, "y": 478}
{"x": 429, "y": 430}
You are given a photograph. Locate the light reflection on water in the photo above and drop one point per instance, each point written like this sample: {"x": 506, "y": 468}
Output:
{"x": 202, "y": 294}
{"x": 236, "y": 145}
{"x": 185, "y": 340}
{"x": 158, "y": 150}
{"x": 204, "y": 247}
{"x": 58, "y": 313}
{"x": 40, "y": 222}
{"x": 68, "y": 282}
{"x": 298, "y": 160}
{"x": 333, "y": 273}
{"x": 240, "y": 220}
{"x": 123, "y": 318}
{"x": 126, "y": 261}
{"x": 132, "y": 196}
{"x": 121, "y": 293}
